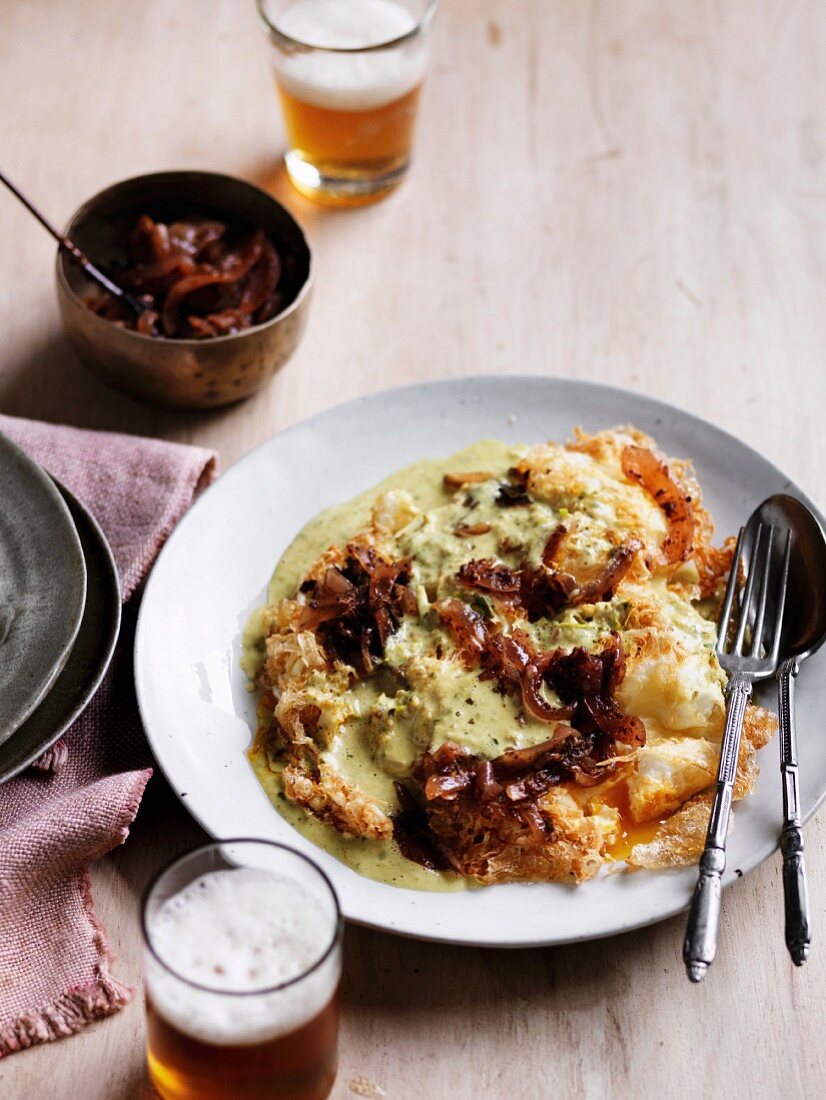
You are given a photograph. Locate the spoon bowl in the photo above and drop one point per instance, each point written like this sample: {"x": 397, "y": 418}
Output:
{"x": 804, "y": 620}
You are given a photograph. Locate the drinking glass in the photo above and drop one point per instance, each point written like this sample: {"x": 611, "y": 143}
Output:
{"x": 348, "y": 74}
{"x": 242, "y": 960}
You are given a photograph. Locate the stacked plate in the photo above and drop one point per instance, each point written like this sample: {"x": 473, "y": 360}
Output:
{"x": 59, "y": 609}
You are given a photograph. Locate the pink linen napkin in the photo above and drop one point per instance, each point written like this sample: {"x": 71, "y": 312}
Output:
{"x": 78, "y": 801}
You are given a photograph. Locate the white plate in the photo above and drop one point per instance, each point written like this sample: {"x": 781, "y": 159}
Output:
{"x": 214, "y": 571}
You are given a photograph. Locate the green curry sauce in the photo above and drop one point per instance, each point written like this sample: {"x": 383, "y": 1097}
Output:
{"x": 392, "y": 727}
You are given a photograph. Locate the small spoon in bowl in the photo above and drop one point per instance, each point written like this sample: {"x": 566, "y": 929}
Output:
{"x": 95, "y": 274}
{"x": 802, "y": 633}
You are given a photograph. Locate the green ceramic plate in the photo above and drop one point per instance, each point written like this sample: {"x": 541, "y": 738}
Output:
{"x": 89, "y": 658}
{"x": 42, "y": 585}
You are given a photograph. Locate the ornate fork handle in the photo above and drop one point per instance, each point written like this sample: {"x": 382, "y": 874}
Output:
{"x": 795, "y": 891}
{"x": 700, "y": 945}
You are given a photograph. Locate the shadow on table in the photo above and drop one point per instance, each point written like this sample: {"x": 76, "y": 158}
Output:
{"x": 138, "y": 1086}
{"x": 52, "y": 384}
{"x": 401, "y": 976}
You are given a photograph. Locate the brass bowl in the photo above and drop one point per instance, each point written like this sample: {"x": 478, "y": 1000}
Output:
{"x": 183, "y": 374}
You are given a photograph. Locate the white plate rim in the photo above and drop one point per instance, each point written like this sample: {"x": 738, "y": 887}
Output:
{"x": 416, "y": 927}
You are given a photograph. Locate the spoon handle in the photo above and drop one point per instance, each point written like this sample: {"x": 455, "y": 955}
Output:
{"x": 94, "y": 273}
{"x": 795, "y": 891}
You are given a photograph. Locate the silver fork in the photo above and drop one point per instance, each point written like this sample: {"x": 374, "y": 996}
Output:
{"x": 745, "y": 660}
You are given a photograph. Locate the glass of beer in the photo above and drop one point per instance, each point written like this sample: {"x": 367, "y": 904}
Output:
{"x": 348, "y": 74}
{"x": 242, "y": 959}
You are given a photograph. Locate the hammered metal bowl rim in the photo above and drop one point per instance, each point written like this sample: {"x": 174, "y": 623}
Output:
{"x": 186, "y": 341}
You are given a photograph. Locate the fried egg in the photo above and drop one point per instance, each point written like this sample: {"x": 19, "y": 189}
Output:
{"x": 500, "y": 666}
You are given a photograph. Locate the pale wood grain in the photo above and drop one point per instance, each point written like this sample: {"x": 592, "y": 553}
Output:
{"x": 632, "y": 192}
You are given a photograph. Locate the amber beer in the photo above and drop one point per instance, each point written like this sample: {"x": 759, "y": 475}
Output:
{"x": 351, "y": 146}
{"x": 300, "y": 1065}
{"x": 242, "y": 968}
{"x": 349, "y": 91}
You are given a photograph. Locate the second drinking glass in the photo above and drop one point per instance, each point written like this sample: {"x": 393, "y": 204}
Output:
{"x": 348, "y": 74}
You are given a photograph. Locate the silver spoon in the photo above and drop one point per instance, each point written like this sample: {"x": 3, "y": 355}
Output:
{"x": 803, "y": 632}
{"x": 101, "y": 278}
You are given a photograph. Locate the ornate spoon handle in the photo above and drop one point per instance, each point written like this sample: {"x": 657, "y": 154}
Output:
{"x": 795, "y": 891}
{"x": 94, "y": 273}
{"x": 700, "y": 944}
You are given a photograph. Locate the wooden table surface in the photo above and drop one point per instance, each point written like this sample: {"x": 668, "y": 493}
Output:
{"x": 630, "y": 192}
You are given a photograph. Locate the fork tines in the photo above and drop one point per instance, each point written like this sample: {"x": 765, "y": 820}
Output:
{"x": 741, "y": 644}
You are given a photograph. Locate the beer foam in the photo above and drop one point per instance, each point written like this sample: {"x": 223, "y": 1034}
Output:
{"x": 349, "y": 82}
{"x": 240, "y": 930}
